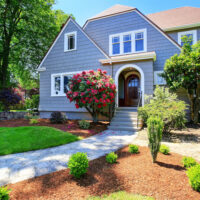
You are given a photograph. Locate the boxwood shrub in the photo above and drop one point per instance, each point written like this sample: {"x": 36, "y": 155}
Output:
{"x": 111, "y": 158}
{"x": 164, "y": 149}
{"x": 133, "y": 148}
{"x": 189, "y": 162}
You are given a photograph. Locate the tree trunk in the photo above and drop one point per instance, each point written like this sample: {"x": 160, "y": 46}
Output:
{"x": 194, "y": 106}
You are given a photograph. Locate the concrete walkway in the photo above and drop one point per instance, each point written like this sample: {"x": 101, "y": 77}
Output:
{"x": 22, "y": 166}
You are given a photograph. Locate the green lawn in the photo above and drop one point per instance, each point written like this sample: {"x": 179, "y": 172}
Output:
{"x": 121, "y": 196}
{"x": 22, "y": 139}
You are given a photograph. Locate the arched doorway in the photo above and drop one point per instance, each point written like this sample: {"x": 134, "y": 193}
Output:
{"x": 129, "y": 80}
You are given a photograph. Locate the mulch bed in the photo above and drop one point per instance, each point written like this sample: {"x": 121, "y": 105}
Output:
{"x": 70, "y": 126}
{"x": 164, "y": 180}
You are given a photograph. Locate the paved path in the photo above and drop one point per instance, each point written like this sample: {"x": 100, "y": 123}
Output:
{"x": 22, "y": 166}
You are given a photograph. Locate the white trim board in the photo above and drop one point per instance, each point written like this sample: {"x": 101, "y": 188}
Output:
{"x": 70, "y": 19}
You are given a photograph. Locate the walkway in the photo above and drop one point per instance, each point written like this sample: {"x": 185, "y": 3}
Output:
{"x": 22, "y": 166}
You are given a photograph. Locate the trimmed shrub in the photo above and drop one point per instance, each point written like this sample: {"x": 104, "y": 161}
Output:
{"x": 167, "y": 106}
{"x": 164, "y": 149}
{"x": 111, "y": 157}
{"x": 57, "y": 118}
{"x": 189, "y": 162}
{"x": 155, "y": 129}
{"x": 84, "y": 124}
{"x": 4, "y": 193}
{"x": 193, "y": 174}
{"x": 32, "y": 102}
{"x": 33, "y": 121}
{"x": 133, "y": 148}
{"x": 78, "y": 164}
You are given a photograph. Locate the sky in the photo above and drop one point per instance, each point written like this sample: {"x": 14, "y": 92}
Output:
{"x": 84, "y": 9}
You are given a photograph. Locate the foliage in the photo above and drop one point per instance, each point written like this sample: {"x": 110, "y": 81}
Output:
{"x": 111, "y": 157}
{"x": 189, "y": 162}
{"x": 133, "y": 148}
{"x": 30, "y": 115}
{"x": 183, "y": 71}
{"x": 57, "y": 118}
{"x": 8, "y": 98}
{"x": 78, "y": 164}
{"x": 32, "y": 102}
{"x": 4, "y": 193}
{"x": 92, "y": 90}
{"x": 155, "y": 128}
{"x": 22, "y": 139}
{"x": 84, "y": 124}
{"x": 193, "y": 174}
{"x": 164, "y": 149}
{"x": 165, "y": 105}
{"x": 27, "y": 30}
{"x": 33, "y": 121}
{"x": 121, "y": 196}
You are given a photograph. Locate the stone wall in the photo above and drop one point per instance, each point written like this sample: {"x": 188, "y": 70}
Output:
{"x": 12, "y": 115}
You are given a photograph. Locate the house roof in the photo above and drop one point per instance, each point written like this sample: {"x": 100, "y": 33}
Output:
{"x": 116, "y": 9}
{"x": 176, "y": 18}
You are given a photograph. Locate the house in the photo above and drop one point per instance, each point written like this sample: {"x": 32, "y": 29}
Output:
{"x": 130, "y": 46}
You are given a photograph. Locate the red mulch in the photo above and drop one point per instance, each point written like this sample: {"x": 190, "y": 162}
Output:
{"x": 164, "y": 180}
{"x": 70, "y": 126}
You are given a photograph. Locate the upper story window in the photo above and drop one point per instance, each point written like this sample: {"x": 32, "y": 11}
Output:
{"x": 190, "y": 34}
{"x": 128, "y": 42}
{"x": 70, "y": 41}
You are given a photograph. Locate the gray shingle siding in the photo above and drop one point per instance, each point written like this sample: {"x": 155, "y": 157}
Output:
{"x": 84, "y": 58}
{"x": 99, "y": 30}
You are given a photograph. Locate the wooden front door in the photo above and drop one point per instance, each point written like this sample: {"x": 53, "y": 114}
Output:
{"x": 132, "y": 88}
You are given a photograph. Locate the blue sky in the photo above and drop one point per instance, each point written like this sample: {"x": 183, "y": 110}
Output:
{"x": 84, "y": 9}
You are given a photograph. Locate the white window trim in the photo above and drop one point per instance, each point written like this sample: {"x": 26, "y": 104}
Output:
{"x": 193, "y": 32}
{"x": 66, "y": 41}
{"x": 156, "y": 78}
{"x": 62, "y": 94}
{"x": 132, "y": 33}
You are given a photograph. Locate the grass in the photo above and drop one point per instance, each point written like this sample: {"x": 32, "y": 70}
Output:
{"x": 121, "y": 196}
{"x": 22, "y": 139}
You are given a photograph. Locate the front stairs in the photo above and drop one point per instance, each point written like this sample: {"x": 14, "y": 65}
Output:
{"x": 125, "y": 119}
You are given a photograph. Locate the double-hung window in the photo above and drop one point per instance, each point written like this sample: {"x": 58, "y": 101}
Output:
{"x": 128, "y": 42}
{"x": 70, "y": 40}
{"x": 192, "y": 35}
{"x": 59, "y": 83}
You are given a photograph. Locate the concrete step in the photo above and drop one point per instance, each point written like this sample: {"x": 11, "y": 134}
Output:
{"x": 124, "y": 119}
{"x": 123, "y": 128}
{"x": 126, "y": 114}
{"x": 125, "y": 123}
{"x": 126, "y": 108}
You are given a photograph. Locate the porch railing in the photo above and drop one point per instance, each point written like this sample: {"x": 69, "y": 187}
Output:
{"x": 139, "y": 103}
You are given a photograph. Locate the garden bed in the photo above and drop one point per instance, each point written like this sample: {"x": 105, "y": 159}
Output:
{"x": 70, "y": 126}
{"x": 135, "y": 174}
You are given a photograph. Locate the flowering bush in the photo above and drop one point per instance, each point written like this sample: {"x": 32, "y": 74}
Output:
{"x": 93, "y": 91}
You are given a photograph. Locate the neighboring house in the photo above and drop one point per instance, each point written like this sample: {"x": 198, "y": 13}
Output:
{"x": 131, "y": 46}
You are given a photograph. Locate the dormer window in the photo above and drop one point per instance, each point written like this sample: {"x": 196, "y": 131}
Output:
{"x": 70, "y": 41}
{"x": 190, "y": 34}
{"x": 128, "y": 42}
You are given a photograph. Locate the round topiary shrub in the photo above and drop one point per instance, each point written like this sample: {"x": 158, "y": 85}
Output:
{"x": 189, "y": 162}
{"x": 193, "y": 174}
{"x": 78, "y": 164}
{"x": 111, "y": 157}
{"x": 133, "y": 148}
{"x": 4, "y": 193}
{"x": 164, "y": 149}
{"x": 57, "y": 118}
{"x": 84, "y": 124}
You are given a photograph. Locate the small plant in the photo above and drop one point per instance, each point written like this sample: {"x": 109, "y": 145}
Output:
{"x": 133, "y": 148}
{"x": 33, "y": 121}
{"x": 189, "y": 162}
{"x": 111, "y": 157}
{"x": 155, "y": 129}
{"x": 193, "y": 174}
{"x": 164, "y": 149}
{"x": 78, "y": 164}
{"x": 4, "y": 193}
{"x": 84, "y": 124}
{"x": 57, "y": 118}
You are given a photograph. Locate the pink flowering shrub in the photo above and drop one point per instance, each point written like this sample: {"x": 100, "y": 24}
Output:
{"x": 92, "y": 90}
